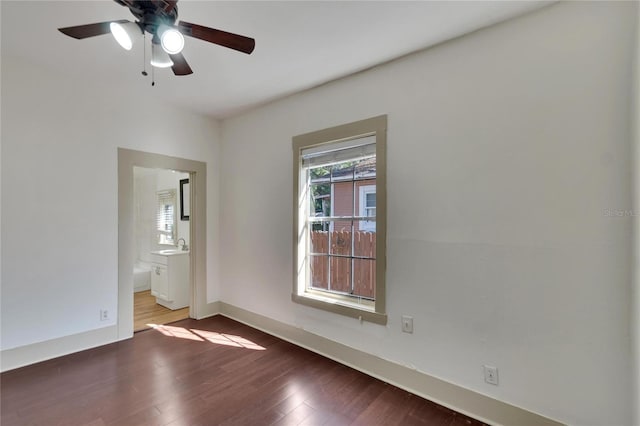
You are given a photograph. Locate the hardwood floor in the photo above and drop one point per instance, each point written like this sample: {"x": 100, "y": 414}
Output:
{"x": 210, "y": 372}
{"x": 147, "y": 311}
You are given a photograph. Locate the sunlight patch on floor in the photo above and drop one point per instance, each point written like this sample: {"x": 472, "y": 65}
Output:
{"x": 209, "y": 336}
{"x": 228, "y": 340}
{"x": 179, "y": 332}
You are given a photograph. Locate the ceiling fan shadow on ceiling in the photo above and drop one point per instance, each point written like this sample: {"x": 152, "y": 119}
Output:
{"x": 158, "y": 18}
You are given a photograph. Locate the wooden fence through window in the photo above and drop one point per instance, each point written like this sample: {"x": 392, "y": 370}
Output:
{"x": 331, "y": 272}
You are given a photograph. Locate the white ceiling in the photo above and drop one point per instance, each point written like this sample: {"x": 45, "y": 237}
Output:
{"x": 299, "y": 44}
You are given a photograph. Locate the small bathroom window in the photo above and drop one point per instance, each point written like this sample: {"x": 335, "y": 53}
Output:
{"x": 166, "y": 217}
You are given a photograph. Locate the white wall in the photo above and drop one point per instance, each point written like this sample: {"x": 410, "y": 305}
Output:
{"x": 505, "y": 149}
{"x": 635, "y": 284}
{"x": 60, "y": 192}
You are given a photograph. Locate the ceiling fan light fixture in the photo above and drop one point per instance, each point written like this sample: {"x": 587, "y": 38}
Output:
{"x": 171, "y": 39}
{"x": 124, "y": 33}
{"x": 160, "y": 58}
{"x": 158, "y": 18}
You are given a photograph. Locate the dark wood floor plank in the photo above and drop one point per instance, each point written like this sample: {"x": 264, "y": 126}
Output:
{"x": 210, "y": 372}
{"x": 296, "y": 416}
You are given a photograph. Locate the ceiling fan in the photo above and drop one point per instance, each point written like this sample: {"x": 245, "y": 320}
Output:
{"x": 158, "y": 18}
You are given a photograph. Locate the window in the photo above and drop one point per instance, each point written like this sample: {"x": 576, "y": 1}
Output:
{"x": 340, "y": 217}
{"x": 367, "y": 203}
{"x": 166, "y": 217}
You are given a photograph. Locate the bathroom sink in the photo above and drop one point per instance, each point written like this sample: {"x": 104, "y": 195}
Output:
{"x": 169, "y": 252}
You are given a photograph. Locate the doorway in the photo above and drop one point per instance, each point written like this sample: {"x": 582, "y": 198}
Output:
{"x": 161, "y": 283}
{"x": 127, "y": 160}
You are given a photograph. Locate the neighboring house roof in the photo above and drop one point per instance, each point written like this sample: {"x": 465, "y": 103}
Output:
{"x": 363, "y": 169}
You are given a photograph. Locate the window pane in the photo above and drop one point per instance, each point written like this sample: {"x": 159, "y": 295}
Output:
{"x": 340, "y": 274}
{"x": 365, "y": 168}
{"x": 341, "y": 241}
{"x": 319, "y": 241}
{"x": 342, "y": 171}
{"x": 364, "y": 278}
{"x": 367, "y": 225}
{"x": 320, "y": 199}
{"x": 343, "y": 199}
{"x": 370, "y": 199}
{"x": 367, "y": 204}
{"x": 319, "y": 266}
{"x": 319, "y": 174}
{"x": 364, "y": 244}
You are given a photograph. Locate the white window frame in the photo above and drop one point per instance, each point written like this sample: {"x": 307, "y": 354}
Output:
{"x": 366, "y": 225}
{"x": 367, "y": 310}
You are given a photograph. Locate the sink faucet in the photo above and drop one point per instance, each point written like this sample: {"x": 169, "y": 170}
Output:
{"x": 185, "y": 247}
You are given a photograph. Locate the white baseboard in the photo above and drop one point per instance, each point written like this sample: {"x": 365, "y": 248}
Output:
{"x": 30, "y": 354}
{"x": 209, "y": 310}
{"x": 465, "y": 401}
{"x": 473, "y": 404}
{"x": 11, "y": 359}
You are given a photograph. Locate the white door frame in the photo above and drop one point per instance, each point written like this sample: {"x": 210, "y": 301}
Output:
{"x": 197, "y": 170}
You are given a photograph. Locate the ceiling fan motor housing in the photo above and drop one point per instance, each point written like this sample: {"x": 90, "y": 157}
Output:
{"x": 152, "y": 14}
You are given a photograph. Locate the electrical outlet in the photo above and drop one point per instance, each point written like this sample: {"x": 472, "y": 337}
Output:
{"x": 104, "y": 315}
{"x": 407, "y": 324}
{"x": 491, "y": 375}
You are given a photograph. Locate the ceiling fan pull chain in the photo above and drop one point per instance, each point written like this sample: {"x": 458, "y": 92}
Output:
{"x": 144, "y": 54}
{"x": 153, "y": 77}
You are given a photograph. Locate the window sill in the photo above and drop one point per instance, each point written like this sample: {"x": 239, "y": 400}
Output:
{"x": 337, "y": 305}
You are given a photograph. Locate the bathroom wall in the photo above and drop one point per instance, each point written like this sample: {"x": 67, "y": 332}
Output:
{"x": 169, "y": 179}
{"x": 146, "y": 183}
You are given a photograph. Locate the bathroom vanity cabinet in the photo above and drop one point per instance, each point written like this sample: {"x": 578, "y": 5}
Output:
{"x": 170, "y": 278}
